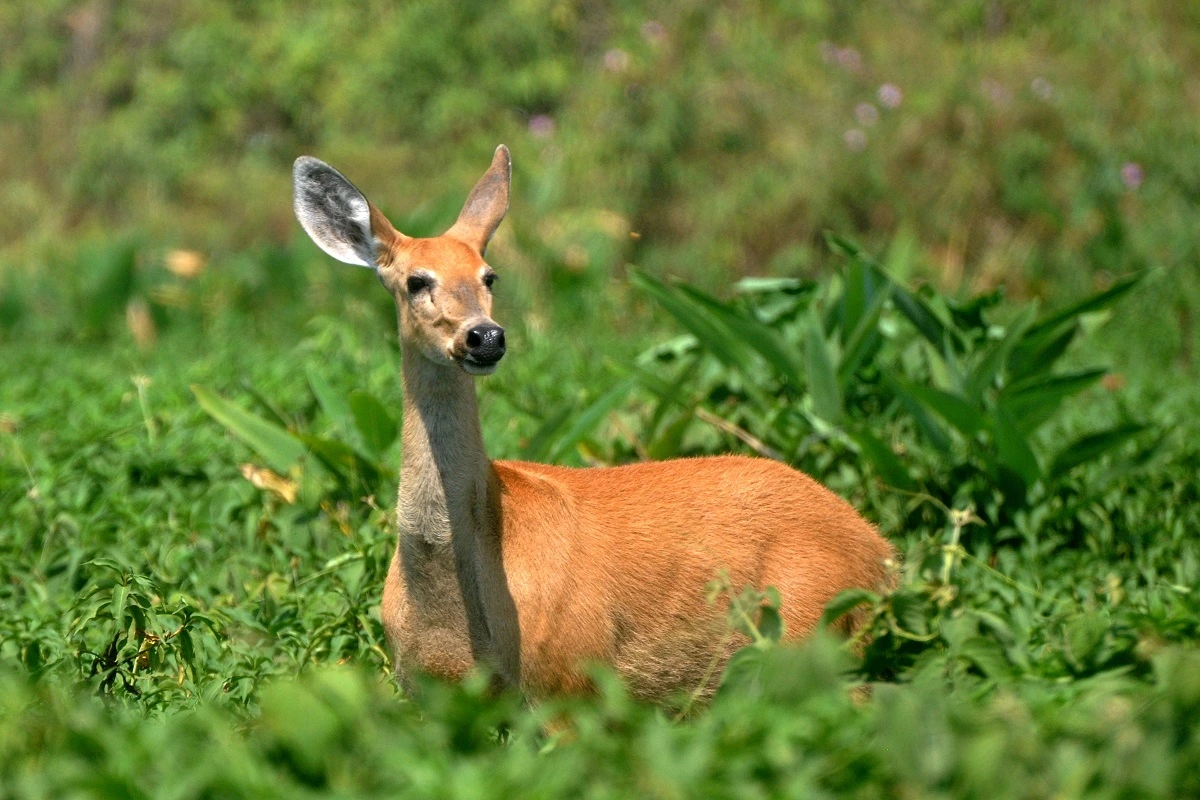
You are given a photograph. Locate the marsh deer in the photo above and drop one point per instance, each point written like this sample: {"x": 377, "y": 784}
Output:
{"x": 536, "y": 570}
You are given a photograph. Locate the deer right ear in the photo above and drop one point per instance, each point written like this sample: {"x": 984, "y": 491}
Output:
{"x": 337, "y": 216}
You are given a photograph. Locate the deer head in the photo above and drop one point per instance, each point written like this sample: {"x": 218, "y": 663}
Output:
{"x": 442, "y": 285}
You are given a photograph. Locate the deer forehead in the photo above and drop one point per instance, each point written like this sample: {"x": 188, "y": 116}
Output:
{"x": 447, "y": 258}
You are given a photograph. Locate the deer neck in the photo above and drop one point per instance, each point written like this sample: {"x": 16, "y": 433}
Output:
{"x": 444, "y": 469}
{"x": 448, "y": 513}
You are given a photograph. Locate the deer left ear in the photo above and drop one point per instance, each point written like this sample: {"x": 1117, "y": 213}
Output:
{"x": 486, "y": 205}
{"x": 338, "y": 217}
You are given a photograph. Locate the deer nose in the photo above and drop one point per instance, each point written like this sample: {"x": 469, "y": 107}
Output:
{"x": 485, "y": 343}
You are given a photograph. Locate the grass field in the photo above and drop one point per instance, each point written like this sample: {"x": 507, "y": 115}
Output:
{"x": 198, "y": 411}
{"x": 172, "y": 630}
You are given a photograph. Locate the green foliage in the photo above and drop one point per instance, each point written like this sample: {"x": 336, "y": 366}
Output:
{"x": 931, "y": 371}
{"x": 354, "y": 466}
{"x": 172, "y": 611}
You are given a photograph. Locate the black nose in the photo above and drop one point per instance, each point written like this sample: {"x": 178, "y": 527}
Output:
{"x": 485, "y": 343}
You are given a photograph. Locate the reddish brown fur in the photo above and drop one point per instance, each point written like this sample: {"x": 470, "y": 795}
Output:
{"x": 620, "y": 558}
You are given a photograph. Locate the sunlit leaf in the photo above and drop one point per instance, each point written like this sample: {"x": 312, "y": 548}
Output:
{"x": 278, "y": 447}
{"x": 269, "y": 481}
{"x": 766, "y": 342}
{"x": 696, "y": 319}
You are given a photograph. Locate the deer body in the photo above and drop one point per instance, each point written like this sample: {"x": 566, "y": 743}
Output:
{"x": 537, "y": 570}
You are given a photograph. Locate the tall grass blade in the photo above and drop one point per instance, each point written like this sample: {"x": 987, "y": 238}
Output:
{"x": 279, "y": 448}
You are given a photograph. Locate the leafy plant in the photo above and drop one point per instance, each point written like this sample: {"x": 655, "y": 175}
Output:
{"x": 364, "y": 431}
{"x": 864, "y": 354}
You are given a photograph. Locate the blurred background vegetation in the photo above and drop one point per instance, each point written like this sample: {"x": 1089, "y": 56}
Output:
{"x": 1043, "y": 147}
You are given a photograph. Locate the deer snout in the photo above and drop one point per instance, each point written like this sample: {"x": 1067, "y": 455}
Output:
{"x": 485, "y": 344}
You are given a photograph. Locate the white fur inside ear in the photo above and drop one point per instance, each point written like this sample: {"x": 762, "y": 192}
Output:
{"x": 333, "y": 212}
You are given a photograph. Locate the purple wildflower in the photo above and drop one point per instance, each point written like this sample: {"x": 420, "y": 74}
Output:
{"x": 653, "y": 31}
{"x": 890, "y": 95}
{"x": 866, "y": 114}
{"x": 1132, "y": 175}
{"x": 541, "y": 126}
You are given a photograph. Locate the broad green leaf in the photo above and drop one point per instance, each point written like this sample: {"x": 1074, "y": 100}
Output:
{"x": 671, "y": 393}
{"x": 822, "y": 378}
{"x": 770, "y": 623}
{"x": 1038, "y": 353}
{"x": 986, "y": 371}
{"x": 854, "y": 296}
{"x": 374, "y": 423}
{"x": 187, "y": 649}
{"x": 865, "y": 335}
{"x": 956, "y": 410}
{"x": 1091, "y": 447}
{"x": 696, "y": 319}
{"x": 844, "y": 602}
{"x": 885, "y": 462}
{"x": 332, "y": 403}
{"x": 1096, "y": 302}
{"x": 1014, "y": 451}
{"x": 540, "y": 444}
{"x": 755, "y": 285}
{"x": 669, "y": 440}
{"x": 767, "y": 342}
{"x": 923, "y": 318}
{"x": 106, "y": 563}
{"x": 988, "y": 655}
{"x": 278, "y": 447}
{"x": 1085, "y": 635}
{"x": 1031, "y": 403}
{"x": 901, "y": 254}
{"x": 586, "y": 420}
{"x": 342, "y": 460}
{"x": 120, "y": 601}
{"x": 926, "y": 423}
{"x": 89, "y": 613}
{"x": 912, "y": 610}
{"x": 268, "y": 406}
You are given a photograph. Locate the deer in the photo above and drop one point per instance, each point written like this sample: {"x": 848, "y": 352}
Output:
{"x": 534, "y": 572}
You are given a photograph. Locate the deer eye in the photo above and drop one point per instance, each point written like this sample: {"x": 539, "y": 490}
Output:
{"x": 489, "y": 279}
{"x": 417, "y": 283}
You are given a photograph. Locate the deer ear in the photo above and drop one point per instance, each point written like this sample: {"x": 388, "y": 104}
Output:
{"x": 337, "y": 216}
{"x": 486, "y": 205}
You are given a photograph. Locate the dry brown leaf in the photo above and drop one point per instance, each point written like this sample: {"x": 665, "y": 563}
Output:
{"x": 140, "y": 323}
{"x": 265, "y": 479}
{"x": 1113, "y": 381}
{"x": 185, "y": 263}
